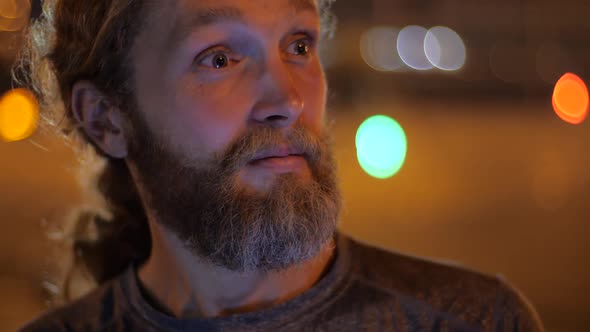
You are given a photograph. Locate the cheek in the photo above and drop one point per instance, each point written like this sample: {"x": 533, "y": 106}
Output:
{"x": 209, "y": 117}
{"x": 312, "y": 86}
{"x": 195, "y": 118}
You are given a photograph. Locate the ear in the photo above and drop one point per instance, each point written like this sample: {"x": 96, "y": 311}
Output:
{"x": 101, "y": 121}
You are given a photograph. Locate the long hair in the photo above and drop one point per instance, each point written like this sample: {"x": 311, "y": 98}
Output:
{"x": 91, "y": 40}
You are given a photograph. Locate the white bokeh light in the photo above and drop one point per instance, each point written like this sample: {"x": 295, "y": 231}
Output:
{"x": 444, "y": 48}
{"x": 410, "y": 46}
{"x": 378, "y": 49}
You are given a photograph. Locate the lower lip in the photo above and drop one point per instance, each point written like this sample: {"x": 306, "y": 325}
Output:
{"x": 281, "y": 164}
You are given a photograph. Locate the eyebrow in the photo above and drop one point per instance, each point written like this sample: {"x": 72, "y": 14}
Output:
{"x": 209, "y": 16}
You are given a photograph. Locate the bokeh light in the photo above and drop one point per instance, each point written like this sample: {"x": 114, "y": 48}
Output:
{"x": 19, "y": 115}
{"x": 14, "y": 14}
{"x": 381, "y": 146}
{"x": 570, "y": 99}
{"x": 410, "y": 46}
{"x": 444, "y": 48}
{"x": 379, "y": 49}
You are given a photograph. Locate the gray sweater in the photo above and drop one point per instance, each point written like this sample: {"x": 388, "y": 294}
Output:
{"x": 365, "y": 289}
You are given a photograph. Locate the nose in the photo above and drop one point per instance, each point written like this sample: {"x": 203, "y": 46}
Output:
{"x": 280, "y": 103}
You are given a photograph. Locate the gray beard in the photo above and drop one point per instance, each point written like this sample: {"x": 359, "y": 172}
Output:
{"x": 232, "y": 227}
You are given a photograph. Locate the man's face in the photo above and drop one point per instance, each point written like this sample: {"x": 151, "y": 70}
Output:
{"x": 228, "y": 129}
{"x": 207, "y": 71}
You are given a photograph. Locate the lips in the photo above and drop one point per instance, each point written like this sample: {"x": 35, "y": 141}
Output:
{"x": 277, "y": 152}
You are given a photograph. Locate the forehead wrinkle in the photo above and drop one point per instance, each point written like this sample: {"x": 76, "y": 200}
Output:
{"x": 203, "y": 17}
{"x": 192, "y": 20}
{"x": 207, "y": 16}
{"x": 212, "y": 15}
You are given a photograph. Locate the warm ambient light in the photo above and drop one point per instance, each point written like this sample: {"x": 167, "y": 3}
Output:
{"x": 19, "y": 115}
{"x": 14, "y": 14}
{"x": 381, "y": 146}
{"x": 570, "y": 99}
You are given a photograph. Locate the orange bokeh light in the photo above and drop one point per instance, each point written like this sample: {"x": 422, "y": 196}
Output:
{"x": 570, "y": 99}
{"x": 19, "y": 115}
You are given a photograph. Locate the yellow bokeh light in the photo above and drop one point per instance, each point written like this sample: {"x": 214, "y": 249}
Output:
{"x": 19, "y": 115}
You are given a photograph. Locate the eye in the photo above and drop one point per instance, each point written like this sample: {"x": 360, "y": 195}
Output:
{"x": 219, "y": 61}
{"x": 301, "y": 47}
{"x": 216, "y": 59}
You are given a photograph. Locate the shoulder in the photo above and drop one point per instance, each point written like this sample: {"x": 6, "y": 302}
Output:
{"x": 92, "y": 312}
{"x": 516, "y": 311}
{"x": 446, "y": 289}
{"x": 420, "y": 277}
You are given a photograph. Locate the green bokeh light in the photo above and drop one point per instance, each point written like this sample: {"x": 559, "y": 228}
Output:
{"x": 381, "y": 146}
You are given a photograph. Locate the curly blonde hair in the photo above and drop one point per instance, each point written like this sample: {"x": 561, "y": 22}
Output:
{"x": 91, "y": 40}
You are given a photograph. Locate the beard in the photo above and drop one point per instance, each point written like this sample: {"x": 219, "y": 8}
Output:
{"x": 226, "y": 223}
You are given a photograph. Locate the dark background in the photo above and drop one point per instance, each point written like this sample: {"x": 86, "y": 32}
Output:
{"x": 493, "y": 180}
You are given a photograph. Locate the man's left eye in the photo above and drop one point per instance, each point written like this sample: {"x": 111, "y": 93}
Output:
{"x": 300, "y": 47}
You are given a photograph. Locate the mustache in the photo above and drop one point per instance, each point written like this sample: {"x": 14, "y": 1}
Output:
{"x": 258, "y": 139}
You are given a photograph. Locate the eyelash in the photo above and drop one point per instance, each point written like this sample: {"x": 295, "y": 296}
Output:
{"x": 308, "y": 38}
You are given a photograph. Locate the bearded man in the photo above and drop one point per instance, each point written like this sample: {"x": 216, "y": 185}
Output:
{"x": 220, "y": 179}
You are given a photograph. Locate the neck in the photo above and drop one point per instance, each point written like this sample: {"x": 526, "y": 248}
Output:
{"x": 186, "y": 286}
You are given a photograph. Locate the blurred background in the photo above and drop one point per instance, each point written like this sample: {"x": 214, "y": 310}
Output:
{"x": 460, "y": 137}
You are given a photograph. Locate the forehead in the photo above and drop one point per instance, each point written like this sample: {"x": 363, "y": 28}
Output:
{"x": 169, "y": 22}
{"x": 245, "y": 5}
{"x": 184, "y": 14}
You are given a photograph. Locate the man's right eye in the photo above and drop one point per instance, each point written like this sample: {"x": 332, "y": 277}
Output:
{"x": 216, "y": 60}
{"x": 220, "y": 61}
